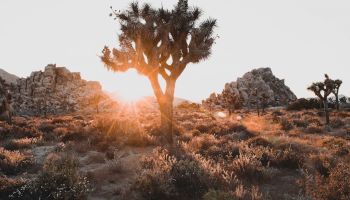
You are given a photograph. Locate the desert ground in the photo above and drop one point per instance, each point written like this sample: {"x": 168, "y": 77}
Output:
{"x": 278, "y": 155}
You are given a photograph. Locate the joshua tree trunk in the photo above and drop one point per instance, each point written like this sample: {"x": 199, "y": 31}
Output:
{"x": 325, "y": 103}
{"x": 166, "y": 112}
{"x": 165, "y": 102}
{"x": 337, "y": 101}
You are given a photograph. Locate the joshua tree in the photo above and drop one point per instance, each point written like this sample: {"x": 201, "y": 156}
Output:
{"x": 343, "y": 100}
{"x": 160, "y": 43}
{"x": 322, "y": 90}
{"x": 232, "y": 101}
{"x": 337, "y": 83}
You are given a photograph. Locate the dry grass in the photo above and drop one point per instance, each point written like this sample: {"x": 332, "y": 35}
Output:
{"x": 243, "y": 156}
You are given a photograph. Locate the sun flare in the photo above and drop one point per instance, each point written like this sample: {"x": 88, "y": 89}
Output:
{"x": 132, "y": 87}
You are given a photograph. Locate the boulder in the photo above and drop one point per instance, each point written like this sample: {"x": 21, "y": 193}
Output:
{"x": 256, "y": 86}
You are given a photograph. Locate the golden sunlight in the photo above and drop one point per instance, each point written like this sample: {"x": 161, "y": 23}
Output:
{"x": 132, "y": 86}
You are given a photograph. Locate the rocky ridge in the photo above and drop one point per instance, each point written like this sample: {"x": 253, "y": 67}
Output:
{"x": 258, "y": 86}
{"x": 9, "y": 78}
{"x": 56, "y": 90}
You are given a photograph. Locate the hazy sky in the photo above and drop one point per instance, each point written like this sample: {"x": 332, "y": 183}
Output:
{"x": 299, "y": 39}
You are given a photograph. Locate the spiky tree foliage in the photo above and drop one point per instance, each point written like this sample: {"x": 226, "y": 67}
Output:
{"x": 160, "y": 43}
{"x": 337, "y": 83}
{"x": 322, "y": 90}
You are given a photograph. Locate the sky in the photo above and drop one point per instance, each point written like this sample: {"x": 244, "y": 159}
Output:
{"x": 299, "y": 39}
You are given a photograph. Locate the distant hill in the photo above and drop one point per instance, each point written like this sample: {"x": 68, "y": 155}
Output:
{"x": 9, "y": 78}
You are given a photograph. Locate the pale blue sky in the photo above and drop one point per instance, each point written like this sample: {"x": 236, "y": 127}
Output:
{"x": 299, "y": 39}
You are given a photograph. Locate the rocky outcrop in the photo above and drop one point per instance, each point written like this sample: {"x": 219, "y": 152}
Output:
{"x": 9, "y": 78}
{"x": 258, "y": 86}
{"x": 56, "y": 90}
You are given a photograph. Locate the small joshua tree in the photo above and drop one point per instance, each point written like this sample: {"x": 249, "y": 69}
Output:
{"x": 160, "y": 43}
{"x": 322, "y": 90}
{"x": 337, "y": 83}
{"x": 232, "y": 101}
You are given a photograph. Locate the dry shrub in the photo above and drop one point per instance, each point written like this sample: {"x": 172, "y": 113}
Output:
{"x": 46, "y": 127}
{"x": 23, "y": 143}
{"x": 314, "y": 121}
{"x": 109, "y": 131}
{"x": 202, "y": 143}
{"x": 322, "y": 164}
{"x": 240, "y": 193}
{"x": 258, "y": 141}
{"x": 314, "y": 129}
{"x": 287, "y": 159}
{"x": 12, "y": 162}
{"x": 14, "y": 131}
{"x": 60, "y": 179}
{"x": 205, "y": 127}
{"x": 288, "y": 155}
{"x": 154, "y": 181}
{"x": 334, "y": 186}
{"x": 301, "y": 123}
{"x": 115, "y": 165}
{"x": 164, "y": 176}
{"x": 336, "y": 123}
{"x": 335, "y": 143}
{"x": 9, "y": 185}
{"x": 286, "y": 125}
{"x": 247, "y": 167}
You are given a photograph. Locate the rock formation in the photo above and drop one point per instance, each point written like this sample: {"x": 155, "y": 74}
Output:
{"x": 9, "y": 78}
{"x": 258, "y": 86}
{"x": 56, "y": 90}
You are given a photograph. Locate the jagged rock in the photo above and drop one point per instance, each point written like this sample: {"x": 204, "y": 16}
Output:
{"x": 9, "y": 78}
{"x": 257, "y": 86}
{"x": 56, "y": 90}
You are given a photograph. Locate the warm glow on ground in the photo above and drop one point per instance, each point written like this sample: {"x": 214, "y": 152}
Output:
{"x": 131, "y": 86}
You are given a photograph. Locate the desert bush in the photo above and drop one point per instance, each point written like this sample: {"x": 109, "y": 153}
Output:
{"x": 14, "y": 131}
{"x": 331, "y": 187}
{"x": 322, "y": 164}
{"x": 202, "y": 143}
{"x": 301, "y": 123}
{"x": 286, "y": 125}
{"x": 46, "y": 127}
{"x": 287, "y": 158}
{"x": 218, "y": 195}
{"x": 277, "y": 113}
{"x": 303, "y": 103}
{"x": 9, "y": 185}
{"x": 258, "y": 141}
{"x": 240, "y": 193}
{"x": 154, "y": 181}
{"x": 314, "y": 129}
{"x": 23, "y": 143}
{"x": 336, "y": 123}
{"x": 188, "y": 178}
{"x": 165, "y": 176}
{"x": 60, "y": 179}
{"x": 247, "y": 167}
{"x": 12, "y": 162}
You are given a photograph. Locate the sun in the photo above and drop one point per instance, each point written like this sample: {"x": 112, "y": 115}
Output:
{"x": 132, "y": 87}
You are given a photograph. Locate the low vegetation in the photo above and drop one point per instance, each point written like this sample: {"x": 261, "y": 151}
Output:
{"x": 237, "y": 156}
